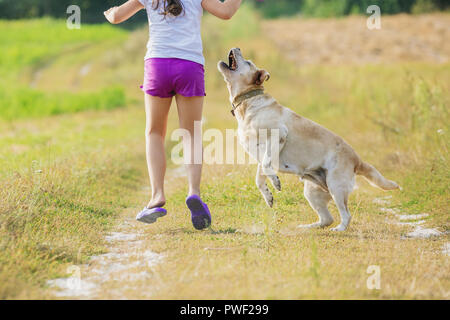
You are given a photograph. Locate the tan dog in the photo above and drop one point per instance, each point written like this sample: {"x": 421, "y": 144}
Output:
{"x": 323, "y": 160}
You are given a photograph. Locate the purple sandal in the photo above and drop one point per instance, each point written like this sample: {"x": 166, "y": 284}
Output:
{"x": 151, "y": 215}
{"x": 200, "y": 215}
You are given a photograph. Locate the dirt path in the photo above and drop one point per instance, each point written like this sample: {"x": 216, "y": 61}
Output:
{"x": 127, "y": 263}
{"x": 121, "y": 272}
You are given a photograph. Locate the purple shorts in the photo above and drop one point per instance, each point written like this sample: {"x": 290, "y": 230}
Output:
{"x": 166, "y": 77}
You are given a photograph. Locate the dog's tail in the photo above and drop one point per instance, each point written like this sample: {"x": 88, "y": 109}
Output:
{"x": 374, "y": 177}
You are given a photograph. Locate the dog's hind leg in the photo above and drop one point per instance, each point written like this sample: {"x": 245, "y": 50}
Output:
{"x": 262, "y": 186}
{"x": 318, "y": 200}
{"x": 341, "y": 183}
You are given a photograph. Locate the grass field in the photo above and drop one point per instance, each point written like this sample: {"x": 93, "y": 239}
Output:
{"x": 69, "y": 179}
{"x": 29, "y": 47}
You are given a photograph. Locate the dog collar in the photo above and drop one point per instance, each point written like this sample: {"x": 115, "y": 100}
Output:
{"x": 245, "y": 96}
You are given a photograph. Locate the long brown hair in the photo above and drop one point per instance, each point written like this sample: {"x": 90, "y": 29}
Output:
{"x": 171, "y": 7}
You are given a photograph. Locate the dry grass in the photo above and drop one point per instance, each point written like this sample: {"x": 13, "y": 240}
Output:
{"x": 402, "y": 38}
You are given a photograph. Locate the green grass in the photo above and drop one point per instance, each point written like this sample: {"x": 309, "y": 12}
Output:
{"x": 29, "y": 103}
{"x": 29, "y": 42}
{"x": 66, "y": 178}
{"x": 32, "y": 45}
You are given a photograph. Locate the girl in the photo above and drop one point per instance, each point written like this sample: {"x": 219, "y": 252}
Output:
{"x": 173, "y": 68}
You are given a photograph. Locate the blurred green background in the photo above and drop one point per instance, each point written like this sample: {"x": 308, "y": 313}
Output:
{"x": 92, "y": 10}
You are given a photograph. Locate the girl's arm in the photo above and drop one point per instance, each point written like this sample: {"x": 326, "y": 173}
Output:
{"x": 117, "y": 15}
{"x": 223, "y": 10}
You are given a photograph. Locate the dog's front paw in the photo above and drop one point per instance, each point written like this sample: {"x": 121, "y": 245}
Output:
{"x": 269, "y": 200}
{"x": 275, "y": 182}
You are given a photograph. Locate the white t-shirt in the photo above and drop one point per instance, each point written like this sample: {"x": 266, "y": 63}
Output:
{"x": 175, "y": 37}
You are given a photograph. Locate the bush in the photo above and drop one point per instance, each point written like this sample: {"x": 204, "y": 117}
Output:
{"x": 92, "y": 11}
{"x": 273, "y": 9}
{"x": 333, "y": 8}
{"x": 325, "y": 8}
{"x": 422, "y": 6}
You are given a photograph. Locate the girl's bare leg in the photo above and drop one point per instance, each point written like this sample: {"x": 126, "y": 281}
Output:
{"x": 157, "y": 111}
{"x": 189, "y": 111}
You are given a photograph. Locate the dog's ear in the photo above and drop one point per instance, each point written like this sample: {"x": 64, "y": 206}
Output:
{"x": 261, "y": 76}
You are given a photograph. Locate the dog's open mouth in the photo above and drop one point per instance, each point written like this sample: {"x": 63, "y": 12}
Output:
{"x": 232, "y": 63}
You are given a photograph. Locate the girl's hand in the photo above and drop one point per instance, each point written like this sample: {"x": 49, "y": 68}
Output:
{"x": 223, "y": 10}
{"x": 110, "y": 14}
{"x": 117, "y": 15}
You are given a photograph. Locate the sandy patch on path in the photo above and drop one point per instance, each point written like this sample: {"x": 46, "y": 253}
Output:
{"x": 446, "y": 249}
{"x": 410, "y": 220}
{"x": 123, "y": 268}
{"x": 421, "y": 232}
